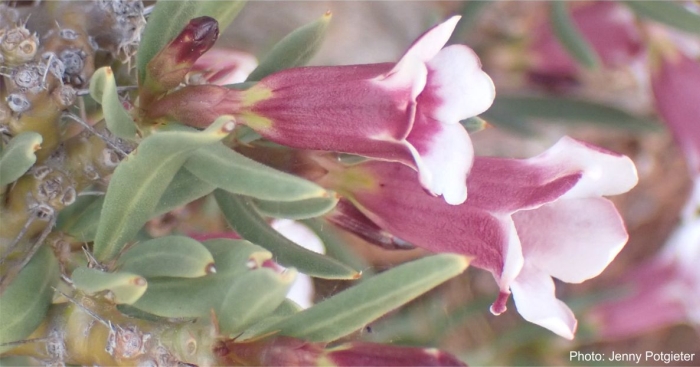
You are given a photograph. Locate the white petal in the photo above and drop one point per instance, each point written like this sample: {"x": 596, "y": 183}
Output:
{"x": 444, "y": 160}
{"x": 458, "y": 87}
{"x": 604, "y": 172}
{"x": 533, "y": 293}
{"x": 571, "y": 239}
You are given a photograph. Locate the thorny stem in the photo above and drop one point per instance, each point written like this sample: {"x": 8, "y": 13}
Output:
{"x": 19, "y": 236}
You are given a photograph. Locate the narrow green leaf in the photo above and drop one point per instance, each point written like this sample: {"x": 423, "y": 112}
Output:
{"x": 285, "y": 309}
{"x": 572, "y": 40}
{"x": 295, "y": 49}
{"x": 470, "y": 14}
{"x": 195, "y": 297}
{"x": 353, "y": 308}
{"x": 183, "y": 189}
{"x": 81, "y": 218}
{"x": 103, "y": 88}
{"x": 667, "y": 12}
{"x": 140, "y": 180}
{"x": 18, "y": 156}
{"x": 169, "y": 256}
{"x": 24, "y": 303}
{"x": 253, "y": 297}
{"x": 515, "y": 110}
{"x": 337, "y": 247}
{"x": 169, "y": 17}
{"x": 229, "y": 170}
{"x": 303, "y": 209}
{"x": 247, "y": 222}
{"x": 125, "y": 287}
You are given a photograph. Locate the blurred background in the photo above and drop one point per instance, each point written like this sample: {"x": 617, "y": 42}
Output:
{"x": 602, "y": 72}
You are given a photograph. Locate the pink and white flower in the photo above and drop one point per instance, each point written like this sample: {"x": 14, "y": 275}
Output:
{"x": 526, "y": 221}
{"x": 407, "y": 112}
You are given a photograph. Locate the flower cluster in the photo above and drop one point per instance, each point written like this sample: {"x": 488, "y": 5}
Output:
{"x": 525, "y": 221}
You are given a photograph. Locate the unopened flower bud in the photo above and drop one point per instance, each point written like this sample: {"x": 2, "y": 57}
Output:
{"x": 169, "y": 67}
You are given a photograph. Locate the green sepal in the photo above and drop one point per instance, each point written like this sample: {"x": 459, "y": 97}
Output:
{"x": 24, "y": 303}
{"x": 169, "y": 18}
{"x": 196, "y": 297}
{"x": 227, "y": 169}
{"x": 125, "y": 287}
{"x": 474, "y": 124}
{"x": 355, "y": 307}
{"x": 667, "y": 12}
{"x": 80, "y": 219}
{"x": 103, "y": 89}
{"x": 570, "y": 37}
{"x": 141, "y": 179}
{"x": 169, "y": 256}
{"x": 302, "y": 209}
{"x": 183, "y": 189}
{"x": 242, "y": 216}
{"x": 18, "y": 156}
{"x": 252, "y": 297}
{"x": 295, "y": 49}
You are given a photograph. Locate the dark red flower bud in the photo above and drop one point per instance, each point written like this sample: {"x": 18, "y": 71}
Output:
{"x": 169, "y": 67}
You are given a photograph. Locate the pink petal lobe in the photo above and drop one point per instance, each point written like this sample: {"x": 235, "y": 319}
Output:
{"x": 533, "y": 293}
{"x": 429, "y": 44}
{"x": 572, "y": 240}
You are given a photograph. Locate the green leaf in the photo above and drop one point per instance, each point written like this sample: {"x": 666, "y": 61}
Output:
{"x": 303, "y": 209}
{"x": 572, "y": 40}
{"x": 247, "y": 222}
{"x": 169, "y": 256}
{"x": 18, "y": 156}
{"x": 125, "y": 287}
{"x": 80, "y": 219}
{"x": 103, "y": 88}
{"x": 183, "y": 189}
{"x": 337, "y": 247}
{"x": 229, "y": 170}
{"x": 512, "y": 111}
{"x": 195, "y": 297}
{"x": 26, "y": 300}
{"x": 355, "y": 307}
{"x": 295, "y": 49}
{"x": 140, "y": 180}
{"x": 667, "y": 12}
{"x": 252, "y": 297}
{"x": 169, "y": 17}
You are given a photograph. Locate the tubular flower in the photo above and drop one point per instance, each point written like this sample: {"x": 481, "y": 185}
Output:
{"x": 526, "y": 221}
{"x": 407, "y": 112}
